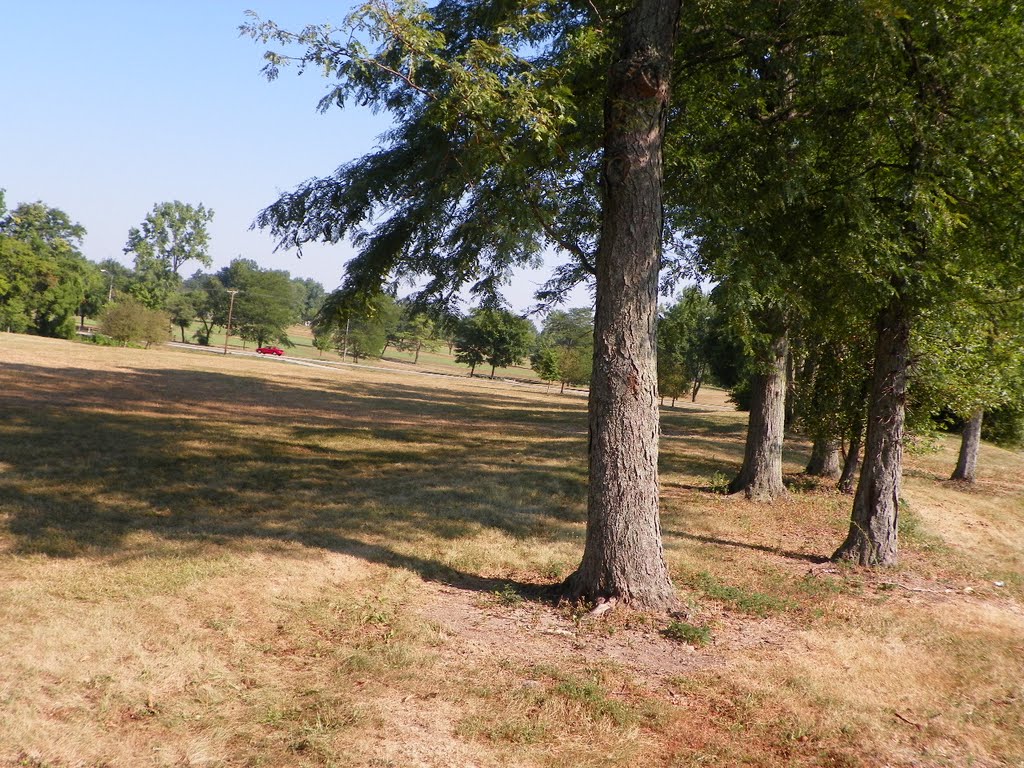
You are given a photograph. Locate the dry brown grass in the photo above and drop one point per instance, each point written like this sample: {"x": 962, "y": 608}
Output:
{"x": 235, "y": 562}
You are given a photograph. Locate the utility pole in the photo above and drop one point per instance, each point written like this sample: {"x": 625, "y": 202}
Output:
{"x": 110, "y": 291}
{"x": 231, "y": 307}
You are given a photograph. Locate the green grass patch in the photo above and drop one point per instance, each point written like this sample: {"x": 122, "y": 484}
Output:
{"x": 684, "y": 632}
{"x": 747, "y": 601}
{"x": 508, "y": 596}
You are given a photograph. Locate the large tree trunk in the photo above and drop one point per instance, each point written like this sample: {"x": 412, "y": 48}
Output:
{"x": 872, "y": 539}
{"x": 826, "y": 459}
{"x": 760, "y": 477}
{"x": 623, "y": 556}
{"x": 967, "y": 464}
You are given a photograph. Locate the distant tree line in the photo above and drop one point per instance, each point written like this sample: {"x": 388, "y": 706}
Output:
{"x": 48, "y": 287}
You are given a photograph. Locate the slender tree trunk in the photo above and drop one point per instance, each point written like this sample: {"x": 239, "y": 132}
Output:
{"x": 826, "y": 459}
{"x": 967, "y": 464}
{"x": 696, "y": 386}
{"x": 851, "y": 463}
{"x": 623, "y": 556}
{"x": 791, "y": 385}
{"x": 873, "y": 538}
{"x": 416, "y": 359}
{"x": 562, "y": 391}
{"x": 492, "y": 371}
{"x": 760, "y": 477}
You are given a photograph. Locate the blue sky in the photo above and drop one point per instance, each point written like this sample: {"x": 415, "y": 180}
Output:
{"x": 113, "y": 106}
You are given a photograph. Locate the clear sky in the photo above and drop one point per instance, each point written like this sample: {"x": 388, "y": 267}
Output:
{"x": 112, "y": 106}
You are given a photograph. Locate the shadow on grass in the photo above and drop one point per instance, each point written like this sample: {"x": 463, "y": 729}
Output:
{"x": 384, "y": 471}
{"x": 788, "y": 554}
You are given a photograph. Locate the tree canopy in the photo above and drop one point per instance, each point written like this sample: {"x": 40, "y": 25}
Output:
{"x": 816, "y": 156}
{"x": 172, "y": 234}
{"x": 43, "y": 275}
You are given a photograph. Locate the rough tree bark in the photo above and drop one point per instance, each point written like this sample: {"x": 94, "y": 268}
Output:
{"x": 970, "y": 440}
{"x": 623, "y": 557}
{"x": 872, "y": 539}
{"x": 760, "y": 477}
{"x": 826, "y": 459}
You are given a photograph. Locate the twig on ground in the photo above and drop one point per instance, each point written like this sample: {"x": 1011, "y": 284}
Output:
{"x": 905, "y": 720}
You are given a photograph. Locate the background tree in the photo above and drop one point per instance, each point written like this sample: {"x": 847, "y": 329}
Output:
{"x": 970, "y": 359}
{"x": 96, "y": 288}
{"x": 569, "y": 334}
{"x": 544, "y": 363}
{"x": 415, "y": 331}
{"x": 471, "y": 342}
{"x": 210, "y": 301}
{"x": 43, "y": 273}
{"x": 323, "y": 341}
{"x": 18, "y": 269}
{"x": 38, "y": 222}
{"x": 751, "y": 179}
{"x": 182, "y": 311}
{"x": 309, "y": 297}
{"x": 494, "y": 336}
{"x": 368, "y": 330}
{"x": 360, "y": 330}
{"x": 265, "y": 305}
{"x": 118, "y": 277}
{"x": 684, "y": 339}
{"x": 171, "y": 234}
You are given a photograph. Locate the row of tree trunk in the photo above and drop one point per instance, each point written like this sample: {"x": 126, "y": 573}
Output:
{"x": 872, "y": 537}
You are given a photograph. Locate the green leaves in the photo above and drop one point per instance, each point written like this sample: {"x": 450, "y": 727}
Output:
{"x": 44, "y": 276}
{"x": 494, "y": 336}
{"x": 171, "y": 234}
{"x": 482, "y": 169}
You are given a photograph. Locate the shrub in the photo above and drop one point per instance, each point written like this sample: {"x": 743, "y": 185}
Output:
{"x": 128, "y": 320}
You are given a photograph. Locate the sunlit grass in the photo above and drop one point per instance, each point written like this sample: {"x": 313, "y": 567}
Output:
{"x": 211, "y": 560}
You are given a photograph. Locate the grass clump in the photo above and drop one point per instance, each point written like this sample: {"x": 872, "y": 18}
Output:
{"x": 507, "y": 595}
{"x": 747, "y": 601}
{"x": 684, "y": 632}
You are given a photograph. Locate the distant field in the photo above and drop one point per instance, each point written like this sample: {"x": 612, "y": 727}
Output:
{"x": 435, "y": 359}
{"x": 228, "y": 561}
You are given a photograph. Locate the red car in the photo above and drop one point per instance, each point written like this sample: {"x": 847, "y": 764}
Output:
{"x": 270, "y": 351}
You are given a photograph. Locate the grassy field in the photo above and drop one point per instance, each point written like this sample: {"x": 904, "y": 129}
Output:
{"x": 435, "y": 359}
{"x": 231, "y": 561}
